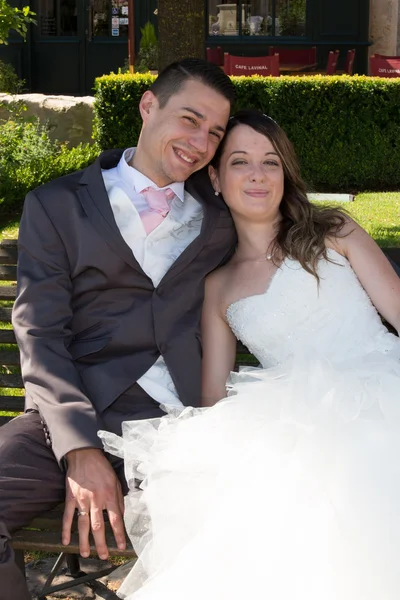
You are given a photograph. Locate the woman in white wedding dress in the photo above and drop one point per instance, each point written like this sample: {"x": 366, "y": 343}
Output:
{"x": 289, "y": 488}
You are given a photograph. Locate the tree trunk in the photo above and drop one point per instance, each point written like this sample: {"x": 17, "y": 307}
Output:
{"x": 181, "y": 30}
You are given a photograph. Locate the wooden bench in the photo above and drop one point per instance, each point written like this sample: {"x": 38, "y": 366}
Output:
{"x": 44, "y": 533}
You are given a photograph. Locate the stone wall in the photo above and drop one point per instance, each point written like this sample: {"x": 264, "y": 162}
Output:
{"x": 70, "y": 119}
{"x": 383, "y": 26}
{"x": 398, "y": 33}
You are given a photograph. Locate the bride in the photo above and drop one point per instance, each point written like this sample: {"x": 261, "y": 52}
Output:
{"x": 289, "y": 487}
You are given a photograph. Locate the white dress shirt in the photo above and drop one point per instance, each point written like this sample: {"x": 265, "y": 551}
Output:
{"x": 155, "y": 252}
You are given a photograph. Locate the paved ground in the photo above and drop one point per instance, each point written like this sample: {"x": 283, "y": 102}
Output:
{"x": 37, "y": 572}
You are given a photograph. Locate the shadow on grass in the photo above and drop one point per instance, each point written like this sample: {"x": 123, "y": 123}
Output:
{"x": 387, "y": 237}
{"x": 9, "y": 220}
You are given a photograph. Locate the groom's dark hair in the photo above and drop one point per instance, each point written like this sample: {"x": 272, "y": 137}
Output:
{"x": 171, "y": 80}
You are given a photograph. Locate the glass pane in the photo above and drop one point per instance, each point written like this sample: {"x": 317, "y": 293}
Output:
{"x": 100, "y": 16}
{"x": 110, "y": 18}
{"x": 290, "y": 17}
{"x": 68, "y": 17}
{"x": 119, "y": 25}
{"x": 47, "y": 21}
{"x": 258, "y": 19}
{"x": 222, "y": 17}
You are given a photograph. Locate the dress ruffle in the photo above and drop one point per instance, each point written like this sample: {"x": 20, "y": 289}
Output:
{"x": 288, "y": 489}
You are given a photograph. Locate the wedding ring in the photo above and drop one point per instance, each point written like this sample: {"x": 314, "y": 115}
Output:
{"x": 82, "y": 513}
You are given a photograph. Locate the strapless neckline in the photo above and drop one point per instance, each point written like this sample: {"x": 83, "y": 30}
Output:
{"x": 270, "y": 284}
{"x": 275, "y": 276}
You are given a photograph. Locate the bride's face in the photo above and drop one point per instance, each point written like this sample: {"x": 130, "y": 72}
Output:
{"x": 250, "y": 175}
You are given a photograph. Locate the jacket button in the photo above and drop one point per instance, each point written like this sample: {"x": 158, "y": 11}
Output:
{"x": 163, "y": 348}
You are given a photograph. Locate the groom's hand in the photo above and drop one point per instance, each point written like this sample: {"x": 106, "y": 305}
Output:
{"x": 91, "y": 487}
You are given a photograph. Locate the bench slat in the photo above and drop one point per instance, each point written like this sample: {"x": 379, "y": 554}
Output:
{"x": 8, "y": 273}
{"x": 249, "y": 361}
{"x": 12, "y": 403}
{"x": 51, "y": 521}
{"x": 9, "y": 357}
{"x": 8, "y": 292}
{"x": 5, "y": 314}
{"x": 11, "y": 380}
{"x": 393, "y": 253}
{"x": 50, "y": 541}
{"x": 9, "y": 243}
{"x": 8, "y": 256}
{"x": 241, "y": 348}
{"x": 4, "y": 420}
{"x": 7, "y": 336}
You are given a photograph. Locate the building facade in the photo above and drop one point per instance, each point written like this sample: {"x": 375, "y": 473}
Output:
{"x": 75, "y": 41}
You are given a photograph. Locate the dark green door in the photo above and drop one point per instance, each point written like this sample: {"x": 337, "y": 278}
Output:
{"x": 75, "y": 41}
{"x": 56, "y": 47}
{"x": 105, "y": 39}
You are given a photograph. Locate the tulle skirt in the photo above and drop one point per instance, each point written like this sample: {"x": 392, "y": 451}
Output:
{"x": 288, "y": 489}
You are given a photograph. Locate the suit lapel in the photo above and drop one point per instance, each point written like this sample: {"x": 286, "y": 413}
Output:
{"x": 96, "y": 204}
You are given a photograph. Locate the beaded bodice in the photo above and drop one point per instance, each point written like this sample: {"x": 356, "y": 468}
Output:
{"x": 296, "y": 316}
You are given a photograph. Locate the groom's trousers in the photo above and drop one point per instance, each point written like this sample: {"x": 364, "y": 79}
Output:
{"x": 32, "y": 482}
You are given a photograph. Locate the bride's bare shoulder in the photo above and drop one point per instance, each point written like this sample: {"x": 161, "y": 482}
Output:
{"x": 217, "y": 283}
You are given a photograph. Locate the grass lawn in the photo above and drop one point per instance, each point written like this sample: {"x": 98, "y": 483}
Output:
{"x": 379, "y": 214}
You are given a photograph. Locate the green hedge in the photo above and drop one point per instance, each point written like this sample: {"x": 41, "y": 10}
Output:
{"x": 28, "y": 158}
{"x": 346, "y": 130}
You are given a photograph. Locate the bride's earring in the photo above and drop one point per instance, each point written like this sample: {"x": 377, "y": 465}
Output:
{"x": 216, "y": 193}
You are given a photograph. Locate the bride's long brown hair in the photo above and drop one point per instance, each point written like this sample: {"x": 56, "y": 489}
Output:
{"x": 304, "y": 226}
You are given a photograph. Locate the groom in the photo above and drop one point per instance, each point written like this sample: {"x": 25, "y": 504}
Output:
{"x": 112, "y": 262}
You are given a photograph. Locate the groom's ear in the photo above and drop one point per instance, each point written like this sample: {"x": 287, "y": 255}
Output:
{"x": 147, "y": 105}
{"x": 212, "y": 173}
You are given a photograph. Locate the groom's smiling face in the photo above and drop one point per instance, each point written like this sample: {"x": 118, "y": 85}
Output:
{"x": 250, "y": 175}
{"x": 182, "y": 136}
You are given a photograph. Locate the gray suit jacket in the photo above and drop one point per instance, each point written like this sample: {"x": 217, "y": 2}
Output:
{"x": 88, "y": 320}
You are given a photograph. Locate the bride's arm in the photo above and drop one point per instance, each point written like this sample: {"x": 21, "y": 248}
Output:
{"x": 219, "y": 344}
{"x": 374, "y": 271}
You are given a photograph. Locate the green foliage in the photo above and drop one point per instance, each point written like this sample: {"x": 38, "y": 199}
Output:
{"x": 29, "y": 157}
{"x": 346, "y": 130}
{"x": 117, "y": 121}
{"x": 292, "y": 17}
{"x": 16, "y": 19}
{"x": 9, "y": 80}
{"x": 149, "y": 37}
{"x": 147, "y": 58}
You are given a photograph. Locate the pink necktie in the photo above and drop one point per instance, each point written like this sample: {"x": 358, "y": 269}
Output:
{"x": 159, "y": 206}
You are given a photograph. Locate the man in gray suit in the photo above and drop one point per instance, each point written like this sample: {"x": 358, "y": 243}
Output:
{"x": 112, "y": 262}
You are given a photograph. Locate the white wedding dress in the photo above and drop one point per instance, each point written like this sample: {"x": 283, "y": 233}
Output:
{"x": 289, "y": 489}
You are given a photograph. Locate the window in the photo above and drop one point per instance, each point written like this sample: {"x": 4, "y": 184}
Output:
{"x": 57, "y": 17}
{"x": 109, "y": 17}
{"x": 257, "y": 17}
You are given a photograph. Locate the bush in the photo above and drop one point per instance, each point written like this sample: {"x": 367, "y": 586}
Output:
{"x": 117, "y": 120}
{"x": 14, "y": 19}
{"x": 346, "y": 130}
{"x": 148, "y": 50}
{"x": 9, "y": 80}
{"x": 28, "y": 158}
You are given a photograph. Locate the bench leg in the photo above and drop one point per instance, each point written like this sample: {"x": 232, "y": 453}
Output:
{"x": 20, "y": 561}
{"x": 54, "y": 571}
{"x": 77, "y": 575}
{"x": 74, "y": 566}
